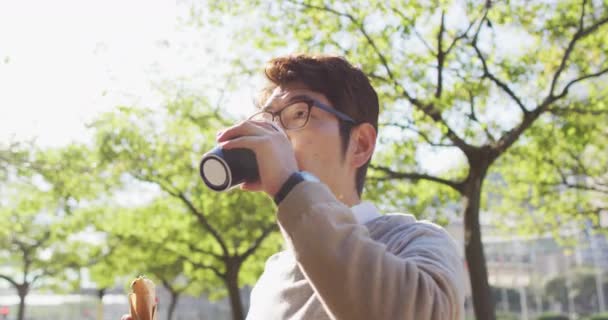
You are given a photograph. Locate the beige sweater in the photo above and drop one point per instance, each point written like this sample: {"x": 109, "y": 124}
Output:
{"x": 393, "y": 267}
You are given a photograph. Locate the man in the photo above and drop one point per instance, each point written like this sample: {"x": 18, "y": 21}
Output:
{"x": 313, "y": 138}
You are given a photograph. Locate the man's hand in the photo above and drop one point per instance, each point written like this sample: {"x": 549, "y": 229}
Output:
{"x": 126, "y": 317}
{"x": 273, "y": 151}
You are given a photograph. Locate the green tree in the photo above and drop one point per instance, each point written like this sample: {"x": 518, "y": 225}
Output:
{"x": 154, "y": 240}
{"x": 465, "y": 79}
{"x": 163, "y": 149}
{"x": 561, "y": 184}
{"x": 14, "y": 159}
{"x": 41, "y": 244}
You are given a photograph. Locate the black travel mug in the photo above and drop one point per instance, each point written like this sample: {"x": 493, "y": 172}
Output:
{"x": 223, "y": 169}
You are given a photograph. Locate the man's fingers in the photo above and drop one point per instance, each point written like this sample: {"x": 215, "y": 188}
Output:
{"x": 126, "y": 317}
{"x": 251, "y": 186}
{"x": 268, "y": 124}
{"x": 247, "y": 142}
{"x": 232, "y": 132}
{"x": 246, "y": 128}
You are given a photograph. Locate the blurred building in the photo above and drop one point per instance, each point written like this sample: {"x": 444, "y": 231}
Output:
{"x": 85, "y": 305}
{"x": 525, "y": 264}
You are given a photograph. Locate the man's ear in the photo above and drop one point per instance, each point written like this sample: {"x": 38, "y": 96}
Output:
{"x": 362, "y": 144}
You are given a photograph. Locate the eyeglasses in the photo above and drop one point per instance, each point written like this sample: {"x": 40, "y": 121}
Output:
{"x": 296, "y": 114}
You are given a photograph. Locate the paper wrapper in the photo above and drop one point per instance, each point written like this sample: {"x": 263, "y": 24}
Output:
{"x": 142, "y": 300}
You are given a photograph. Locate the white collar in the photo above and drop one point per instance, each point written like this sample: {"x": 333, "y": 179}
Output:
{"x": 365, "y": 212}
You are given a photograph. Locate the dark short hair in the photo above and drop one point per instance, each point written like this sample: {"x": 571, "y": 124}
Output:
{"x": 346, "y": 87}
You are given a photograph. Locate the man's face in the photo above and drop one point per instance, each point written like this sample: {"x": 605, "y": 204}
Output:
{"x": 317, "y": 146}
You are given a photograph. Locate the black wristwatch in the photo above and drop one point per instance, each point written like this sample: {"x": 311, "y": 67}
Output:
{"x": 293, "y": 180}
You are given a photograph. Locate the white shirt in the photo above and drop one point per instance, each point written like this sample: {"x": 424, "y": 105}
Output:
{"x": 365, "y": 212}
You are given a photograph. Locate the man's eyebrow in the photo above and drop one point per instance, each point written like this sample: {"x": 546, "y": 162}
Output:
{"x": 299, "y": 97}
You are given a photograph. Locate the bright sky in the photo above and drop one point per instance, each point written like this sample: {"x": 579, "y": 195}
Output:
{"x": 62, "y": 62}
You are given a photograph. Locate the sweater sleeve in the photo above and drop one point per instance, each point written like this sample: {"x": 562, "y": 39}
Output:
{"x": 356, "y": 277}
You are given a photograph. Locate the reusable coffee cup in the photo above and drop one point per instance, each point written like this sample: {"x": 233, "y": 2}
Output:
{"x": 224, "y": 169}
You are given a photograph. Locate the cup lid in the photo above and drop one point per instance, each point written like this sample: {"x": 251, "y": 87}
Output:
{"x": 215, "y": 173}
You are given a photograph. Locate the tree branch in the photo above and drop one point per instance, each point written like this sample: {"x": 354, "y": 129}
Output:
{"x": 265, "y": 233}
{"x": 473, "y": 117}
{"x": 200, "y": 216}
{"x": 569, "y": 110}
{"x": 46, "y": 236}
{"x": 579, "y": 163}
{"x": 486, "y": 70}
{"x": 428, "y": 109}
{"x": 460, "y": 37}
{"x": 10, "y": 280}
{"x": 579, "y": 186}
{"x": 584, "y": 187}
{"x": 511, "y": 136}
{"x": 166, "y": 283}
{"x": 23, "y": 247}
{"x": 483, "y": 18}
{"x": 579, "y": 79}
{"x": 581, "y": 22}
{"x": 416, "y": 33}
{"x": 203, "y": 251}
{"x": 434, "y": 114}
{"x": 38, "y": 276}
{"x": 98, "y": 258}
{"x": 580, "y": 33}
{"x": 421, "y": 38}
{"x": 162, "y": 183}
{"x": 361, "y": 29}
{"x": 220, "y": 99}
{"x": 440, "y": 56}
{"x": 50, "y": 272}
{"x": 203, "y": 220}
{"x": 185, "y": 257}
{"x": 421, "y": 134}
{"x": 335, "y": 43}
{"x": 458, "y": 186}
{"x": 498, "y": 82}
{"x": 162, "y": 246}
{"x": 173, "y": 289}
{"x": 209, "y": 267}
{"x": 378, "y": 77}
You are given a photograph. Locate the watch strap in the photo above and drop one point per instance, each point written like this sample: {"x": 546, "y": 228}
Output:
{"x": 293, "y": 180}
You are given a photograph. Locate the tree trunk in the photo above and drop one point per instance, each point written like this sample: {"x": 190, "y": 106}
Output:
{"x": 172, "y": 304}
{"x": 22, "y": 291}
{"x": 100, "y": 293}
{"x": 232, "y": 283}
{"x": 483, "y": 301}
